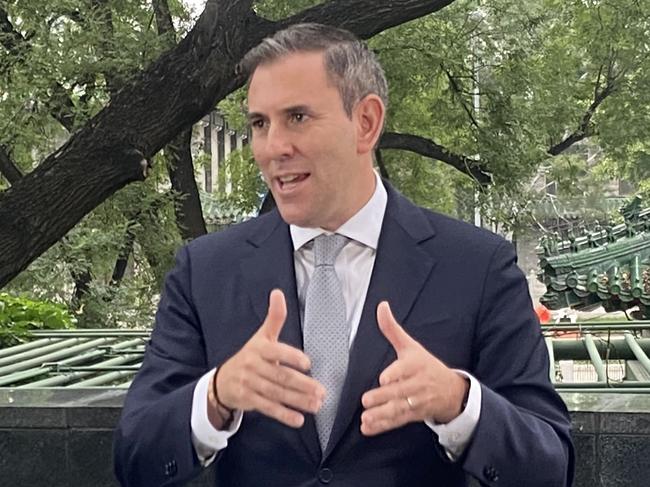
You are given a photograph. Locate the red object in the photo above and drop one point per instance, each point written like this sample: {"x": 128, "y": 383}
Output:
{"x": 543, "y": 314}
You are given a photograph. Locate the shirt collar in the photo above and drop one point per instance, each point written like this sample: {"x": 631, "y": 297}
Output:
{"x": 364, "y": 226}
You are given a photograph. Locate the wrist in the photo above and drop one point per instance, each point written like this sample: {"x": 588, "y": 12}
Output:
{"x": 220, "y": 415}
{"x": 464, "y": 395}
{"x": 459, "y": 399}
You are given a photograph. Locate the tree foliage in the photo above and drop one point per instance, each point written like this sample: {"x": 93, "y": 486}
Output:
{"x": 481, "y": 98}
{"x": 20, "y": 315}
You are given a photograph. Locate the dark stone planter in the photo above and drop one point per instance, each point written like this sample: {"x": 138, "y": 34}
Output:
{"x": 63, "y": 438}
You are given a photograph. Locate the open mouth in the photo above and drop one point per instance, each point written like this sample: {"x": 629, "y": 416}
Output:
{"x": 291, "y": 181}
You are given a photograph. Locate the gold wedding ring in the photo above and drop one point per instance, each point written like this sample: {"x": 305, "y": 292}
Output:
{"x": 410, "y": 402}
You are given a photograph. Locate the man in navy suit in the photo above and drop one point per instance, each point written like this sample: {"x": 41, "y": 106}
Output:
{"x": 447, "y": 374}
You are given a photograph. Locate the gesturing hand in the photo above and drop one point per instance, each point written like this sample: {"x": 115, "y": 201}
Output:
{"x": 268, "y": 376}
{"x": 415, "y": 387}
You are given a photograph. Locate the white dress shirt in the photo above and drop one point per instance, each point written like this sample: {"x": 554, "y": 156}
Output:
{"x": 353, "y": 267}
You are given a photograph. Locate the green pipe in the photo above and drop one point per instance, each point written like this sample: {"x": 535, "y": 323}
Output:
{"x": 600, "y": 326}
{"x": 24, "y": 347}
{"x": 49, "y": 367}
{"x": 62, "y": 378}
{"x": 26, "y": 364}
{"x": 21, "y": 376}
{"x": 20, "y": 357}
{"x": 605, "y": 390}
{"x": 90, "y": 332}
{"x": 102, "y": 379}
{"x": 594, "y": 356}
{"x": 67, "y": 377}
{"x": 615, "y": 348}
{"x": 139, "y": 350}
{"x": 638, "y": 351}
{"x": 98, "y": 368}
{"x": 604, "y": 385}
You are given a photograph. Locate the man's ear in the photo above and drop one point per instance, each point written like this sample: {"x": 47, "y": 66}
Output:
{"x": 369, "y": 114}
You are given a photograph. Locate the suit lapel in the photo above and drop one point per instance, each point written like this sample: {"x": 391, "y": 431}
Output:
{"x": 271, "y": 266}
{"x": 400, "y": 271}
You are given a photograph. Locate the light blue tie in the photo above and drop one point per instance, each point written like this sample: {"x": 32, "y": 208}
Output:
{"x": 326, "y": 330}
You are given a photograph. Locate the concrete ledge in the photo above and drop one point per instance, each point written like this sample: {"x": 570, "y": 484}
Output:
{"x": 63, "y": 438}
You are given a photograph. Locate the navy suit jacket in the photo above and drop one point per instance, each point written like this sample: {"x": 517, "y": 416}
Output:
{"x": 455, "y": 288}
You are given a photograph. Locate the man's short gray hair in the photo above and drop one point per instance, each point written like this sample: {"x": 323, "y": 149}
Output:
{"x": 351, "y": 67}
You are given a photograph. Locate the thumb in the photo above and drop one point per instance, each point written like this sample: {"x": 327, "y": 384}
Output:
{"x": 391, "y": 329}
{"x": 275, "y": 316}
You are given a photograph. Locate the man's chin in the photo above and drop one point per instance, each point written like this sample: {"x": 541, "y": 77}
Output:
{"x": 293, "y": 217}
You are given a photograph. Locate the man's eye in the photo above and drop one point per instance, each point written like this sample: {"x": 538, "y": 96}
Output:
{"x": 257, "y": 124}
{"x": 298, "y": 117}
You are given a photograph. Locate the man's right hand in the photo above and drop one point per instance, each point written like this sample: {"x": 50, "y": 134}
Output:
{"x": 269, "y": 376}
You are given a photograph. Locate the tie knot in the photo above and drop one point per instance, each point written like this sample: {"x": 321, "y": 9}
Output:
{"x": 327, "y": 248}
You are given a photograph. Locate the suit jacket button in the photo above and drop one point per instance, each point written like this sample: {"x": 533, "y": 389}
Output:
{"x": 325, "y": 475}
{"x": 491, "y": 473}
{"x": 170, "y": 468}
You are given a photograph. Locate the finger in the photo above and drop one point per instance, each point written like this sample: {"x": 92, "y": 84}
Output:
{"x": 393, "y": 332}
{"x": 277, "y": 411}
{"x": 293, "y": 379}
{"x": 388, "y": 416}
{"x": 400, "y": 369}
{"x": 287, "y": 397}
{"x": 282, "y": 353}
{"x": 275, "y": 316}
{"x": 394, "y": 391}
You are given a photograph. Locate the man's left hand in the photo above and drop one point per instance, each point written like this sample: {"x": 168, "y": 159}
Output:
{"x": 415, "y": 387}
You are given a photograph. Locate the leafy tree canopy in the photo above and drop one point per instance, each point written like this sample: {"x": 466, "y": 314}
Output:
{"x": 480, "y": 94}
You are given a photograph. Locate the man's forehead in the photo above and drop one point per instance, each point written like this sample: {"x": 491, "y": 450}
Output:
{"x": 317, "y": 54}
{"x": 294, "y": 79}
{"x": 290, "y": 61}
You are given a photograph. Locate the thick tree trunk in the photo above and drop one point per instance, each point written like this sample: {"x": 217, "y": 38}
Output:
{"x": 111, "y": 150}
{"x": 82, "y": 280}
{"x": 122, "y": 260}
{"x": 189, "y": 215}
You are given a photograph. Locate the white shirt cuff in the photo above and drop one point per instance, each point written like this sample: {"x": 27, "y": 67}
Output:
{"x": 206, "y": 439}
{"x": 455, "y": 435}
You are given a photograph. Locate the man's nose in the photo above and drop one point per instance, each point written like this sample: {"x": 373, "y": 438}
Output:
{"x": 279, "y": 144}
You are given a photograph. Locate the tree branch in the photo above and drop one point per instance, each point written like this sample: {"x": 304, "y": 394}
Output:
{"x": 428, "y": 148}
{"x": 365, "y": 17}
{"x": 455, "y": 88}
{"x": 11, "y": 39}
{"x": 586, "y": 129}
{"x": 103, "y": 13}
{"x": 380, "y": 163}
{"x": 173, "y": 93}
{"x": 8, "y": 168}
{"x": 60, "y": 105}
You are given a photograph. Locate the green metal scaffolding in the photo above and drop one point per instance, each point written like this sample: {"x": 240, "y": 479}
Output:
{"x": 109, "y": 358}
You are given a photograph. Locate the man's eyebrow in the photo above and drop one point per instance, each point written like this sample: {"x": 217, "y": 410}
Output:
{"x": 290, "y": 109}
{"x": 297, "y": 108}
{"x": 254, "y": 116}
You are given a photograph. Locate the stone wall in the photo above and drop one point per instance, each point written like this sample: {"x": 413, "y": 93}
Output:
{"x": 63, "y": 438}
